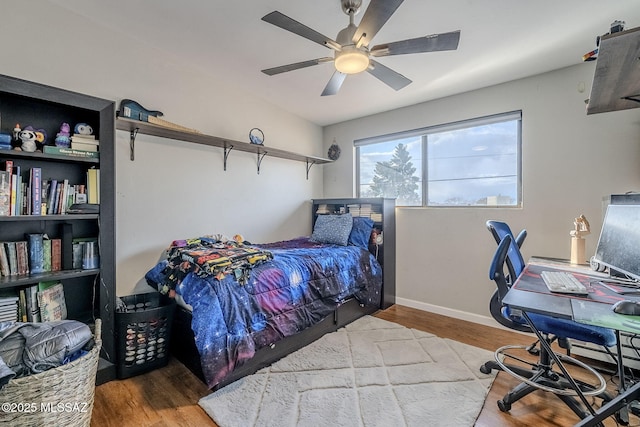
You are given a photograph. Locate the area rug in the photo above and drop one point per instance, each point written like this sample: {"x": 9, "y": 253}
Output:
{"x": 370, "y": 373}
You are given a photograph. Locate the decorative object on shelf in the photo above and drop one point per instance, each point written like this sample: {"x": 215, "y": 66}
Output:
{"x": 134, "y": 110}
{"x": 334, "y": 151}
{"x": 83, "y": 129}
{"x": 256, "y": 136}
{"x": 16, "y": 132}
{"x": 28, "y": 139}
{"x": 62, "y": 137}
{"x": 581, "y": 228}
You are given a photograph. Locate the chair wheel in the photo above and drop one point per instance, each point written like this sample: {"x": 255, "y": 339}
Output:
{"x": 504, "y": 407}
{"x": 485, "y": 369}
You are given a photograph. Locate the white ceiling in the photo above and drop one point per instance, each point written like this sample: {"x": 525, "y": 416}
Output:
{"x": 501, "y": 40}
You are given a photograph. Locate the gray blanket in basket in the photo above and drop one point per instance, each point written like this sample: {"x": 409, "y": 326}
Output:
{"x": 29, "y": 348}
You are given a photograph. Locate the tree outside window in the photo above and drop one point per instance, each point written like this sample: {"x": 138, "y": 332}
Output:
{"x": 471, "y": 163}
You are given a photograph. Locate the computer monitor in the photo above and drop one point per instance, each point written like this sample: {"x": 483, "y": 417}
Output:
{"x": 619, "y": 244}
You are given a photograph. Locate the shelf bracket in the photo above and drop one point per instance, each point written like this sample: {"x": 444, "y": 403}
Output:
{"x": 309, "y": 164}
{"x": 635, "y": 98}
{"x": 227, "y": 150}
{"x": 132, "y": 142}
{"x": 260, "y": 157}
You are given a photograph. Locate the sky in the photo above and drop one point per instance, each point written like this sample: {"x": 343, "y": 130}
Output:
{"x": 467, "y": 164}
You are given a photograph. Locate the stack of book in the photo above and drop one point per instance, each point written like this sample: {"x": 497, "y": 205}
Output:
{"x": 84, "y": 142}
{"x": 8, "y": 309}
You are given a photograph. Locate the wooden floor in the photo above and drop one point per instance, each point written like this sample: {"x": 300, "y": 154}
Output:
{"x": 169, "y": 396}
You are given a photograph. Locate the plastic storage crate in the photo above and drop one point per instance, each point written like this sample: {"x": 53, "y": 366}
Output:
{"x": 143, "y": 334}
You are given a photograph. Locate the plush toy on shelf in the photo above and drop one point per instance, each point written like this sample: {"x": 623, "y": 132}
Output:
{"x": 62, "y": 137}
{"x": 28, "y": 138}
{"x": 83, "y": 129}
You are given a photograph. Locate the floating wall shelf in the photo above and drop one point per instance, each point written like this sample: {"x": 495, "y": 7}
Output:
{"x": 136, "y": 126}
{"x": 616, "y": 82}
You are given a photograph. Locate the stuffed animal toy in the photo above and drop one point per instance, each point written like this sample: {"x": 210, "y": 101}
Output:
{"x": 28, "y": 138}
{"x": 62, "y": 137}
{"x": 83, "y": 129}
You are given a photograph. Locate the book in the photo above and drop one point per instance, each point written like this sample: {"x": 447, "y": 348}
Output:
{"x": 36, "y": 253}
{"x": 84, "y": 146}
{"x": 62, "y": 207}
{"x": 4, "y": 260}
{"x": 33, "y": 309}
{"x": 22, "y": 305}
{"x": 36, "y": 191}
{"x": 8, "y": 308}
{"x": 13, "y": 259}
{"x": 93, "y": 195}
{"x": 5, "y": 193}
{"x": 56, "y": 254}
{"x": 62, "y": 151}
{"x": 84, "y": 137}
{"x": 51, "y": 196}
{"x": 46, "y": 253}
{"x": 13, "y": 196}
{"x": 8, "y": 166}
{"x": 51, "y": 301}
{"x": 22, "y": 254}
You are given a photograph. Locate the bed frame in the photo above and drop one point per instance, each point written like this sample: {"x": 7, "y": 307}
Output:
{"x": 183, "y": 345}
{"x": 182, "y": 342}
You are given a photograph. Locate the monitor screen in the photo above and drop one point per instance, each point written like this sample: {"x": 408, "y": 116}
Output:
{"x": 619, "y": 244}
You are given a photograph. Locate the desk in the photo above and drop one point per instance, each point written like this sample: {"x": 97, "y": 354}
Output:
{"x": 530, "y": 294}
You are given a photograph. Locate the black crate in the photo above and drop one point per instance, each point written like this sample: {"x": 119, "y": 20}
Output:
{"x": 143, "y": 334}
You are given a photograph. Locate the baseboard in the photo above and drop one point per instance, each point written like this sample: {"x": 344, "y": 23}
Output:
{"x": 456, "y": 314}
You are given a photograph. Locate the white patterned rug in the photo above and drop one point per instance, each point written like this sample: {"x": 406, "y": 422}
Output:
{"x": 370, "y": 373}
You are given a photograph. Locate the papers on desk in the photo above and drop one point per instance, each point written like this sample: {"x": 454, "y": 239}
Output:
{"x": 599, "y": 314}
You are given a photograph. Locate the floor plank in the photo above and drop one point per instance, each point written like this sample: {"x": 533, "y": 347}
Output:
{"x": 169, "y": 396}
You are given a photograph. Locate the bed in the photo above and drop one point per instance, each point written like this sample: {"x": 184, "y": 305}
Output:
{"x": 245, "y": 305}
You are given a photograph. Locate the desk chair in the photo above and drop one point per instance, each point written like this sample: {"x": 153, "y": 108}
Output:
{"x": 515, "y": 265}
{"x": 541, "y": 374}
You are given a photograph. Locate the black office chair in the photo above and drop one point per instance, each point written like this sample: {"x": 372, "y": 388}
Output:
{"x": 543, "y": 374}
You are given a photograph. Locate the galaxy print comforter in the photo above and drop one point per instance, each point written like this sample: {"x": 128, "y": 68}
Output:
{"x": 303, "y": 283}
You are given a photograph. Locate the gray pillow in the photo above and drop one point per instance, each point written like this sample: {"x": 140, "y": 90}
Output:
{"x": 334, "y": 229}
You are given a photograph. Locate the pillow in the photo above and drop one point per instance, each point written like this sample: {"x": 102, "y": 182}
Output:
{"x": 361, "y": 232}
{"x": 334, "y": 229}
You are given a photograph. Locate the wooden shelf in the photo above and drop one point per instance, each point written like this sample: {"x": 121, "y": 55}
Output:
{"x": 29, "y": 279}
{"x": 65, "y": 217}
{"x": 136, "y": 126}
{"x": 47, "y": 157}
{"x": 616, "y": 82}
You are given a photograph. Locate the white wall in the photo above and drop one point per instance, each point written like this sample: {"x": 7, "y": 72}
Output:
{"x": 173, "y": 189}
{"x": 570, "y": 162}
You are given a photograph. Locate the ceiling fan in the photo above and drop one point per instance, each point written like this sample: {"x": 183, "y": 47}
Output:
{"x": 351, "y": 47}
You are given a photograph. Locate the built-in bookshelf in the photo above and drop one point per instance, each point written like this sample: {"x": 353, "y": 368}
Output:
{"x": 89, "y": 292}
{"x": 382, "y": 243}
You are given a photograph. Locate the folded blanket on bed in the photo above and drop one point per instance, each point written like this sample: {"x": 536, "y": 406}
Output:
{"x": 207, "y": 256}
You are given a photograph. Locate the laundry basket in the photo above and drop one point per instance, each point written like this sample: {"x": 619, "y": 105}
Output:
{"x": 61, "y": 396}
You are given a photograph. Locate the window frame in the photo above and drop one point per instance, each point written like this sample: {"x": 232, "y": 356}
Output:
{"x": 423, "y": 133}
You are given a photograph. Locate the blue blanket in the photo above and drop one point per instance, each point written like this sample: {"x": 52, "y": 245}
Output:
{"x": 303, "y": 283}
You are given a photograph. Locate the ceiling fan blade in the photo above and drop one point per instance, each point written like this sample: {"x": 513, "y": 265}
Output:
{"x": 376, "y": 15}
{"x": 334, "y": 83}
{"x": 387, "y": 76}
{"x": 283, "y": 21}
{"x": 290, "y": 67}
{"x": 432, "y": 43}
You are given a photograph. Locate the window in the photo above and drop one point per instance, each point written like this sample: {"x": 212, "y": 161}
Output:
{"x": 470, "y": 163}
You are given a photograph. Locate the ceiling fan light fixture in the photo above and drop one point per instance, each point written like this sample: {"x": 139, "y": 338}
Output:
{"x": 351, "y": 60}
